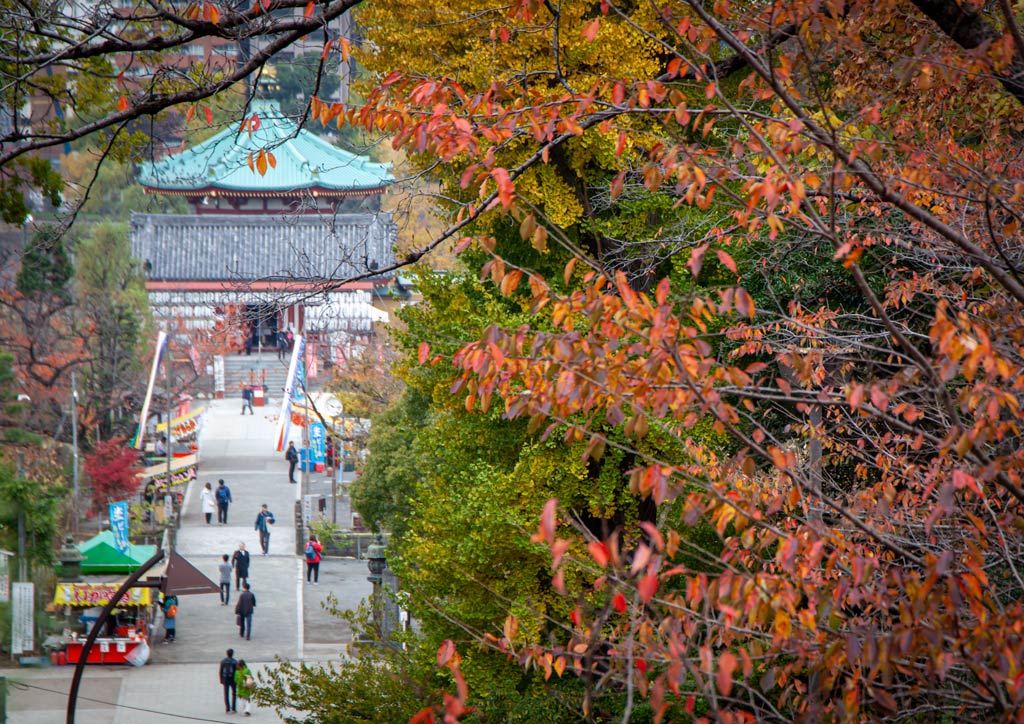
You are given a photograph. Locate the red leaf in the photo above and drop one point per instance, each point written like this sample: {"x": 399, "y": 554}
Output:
{"x": 619, "y": 602}
{"x": 590, "y": 30}
{"x": 726, "y": 260}
{"x": 122, "y": 104}
{"x": 726, "y": 665}
{"x": 647, "y": 586}
{"x": 310, "y": 9}
{"x": 209, "y": 115}
{"x": 424, "y": 352}
{"x": 445, "y": 652}
{"x": 599, "y": 551}
{"x": 505, "y": 187}
{"x": 697, "y": 260}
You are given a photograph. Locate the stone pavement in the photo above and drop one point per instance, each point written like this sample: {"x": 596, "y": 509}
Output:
{"x": 180, "y": 682}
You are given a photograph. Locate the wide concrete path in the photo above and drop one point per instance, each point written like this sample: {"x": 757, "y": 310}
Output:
{"x": 180, "y": 682}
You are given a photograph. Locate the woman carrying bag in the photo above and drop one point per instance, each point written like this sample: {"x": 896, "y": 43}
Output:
{"x": 245, "y": 684}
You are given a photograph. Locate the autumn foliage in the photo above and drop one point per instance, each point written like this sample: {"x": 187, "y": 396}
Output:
{"x": 112, "y": 468}
{"x": 798, "y": 223}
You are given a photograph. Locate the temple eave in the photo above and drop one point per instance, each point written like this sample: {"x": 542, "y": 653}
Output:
{"x": 317, "y": 191}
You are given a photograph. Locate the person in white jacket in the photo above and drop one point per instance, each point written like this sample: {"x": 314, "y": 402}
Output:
{"x": 209, "y": 502}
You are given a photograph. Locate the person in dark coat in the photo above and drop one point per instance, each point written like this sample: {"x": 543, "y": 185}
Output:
{"x": 292, "y": 456}
{"x": 244, "y": 610}
{"x": 247, "y": 400}
{"x": 228, "y": 665}
{"x": 240, "y": 562}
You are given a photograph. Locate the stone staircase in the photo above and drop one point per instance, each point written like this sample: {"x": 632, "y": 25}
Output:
{"x": 243, "y": 369}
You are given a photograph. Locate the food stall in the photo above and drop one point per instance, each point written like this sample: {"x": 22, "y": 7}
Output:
{"x": 157, "y": 485}
{"x": 126, "y": 640}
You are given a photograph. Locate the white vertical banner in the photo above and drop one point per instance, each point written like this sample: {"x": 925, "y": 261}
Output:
{"x": 158, "y": 353}
{"x": 285, "y": 420}
{"x": 218, "y": 374}
{"x": 22, "y": 613}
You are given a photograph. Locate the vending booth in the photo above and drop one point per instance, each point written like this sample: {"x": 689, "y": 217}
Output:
{"x": 127, "y": 633}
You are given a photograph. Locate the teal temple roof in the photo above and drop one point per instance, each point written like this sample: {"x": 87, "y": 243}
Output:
{"x": 304, "y": 162}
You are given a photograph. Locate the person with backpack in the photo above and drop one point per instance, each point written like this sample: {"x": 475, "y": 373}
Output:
{"x": 223, "y": 499}
{"x": 313, "y": 551}
{"x": 292, "y": 456}
{"x": 228, "y": 666}
{"x": 170, "y": 608}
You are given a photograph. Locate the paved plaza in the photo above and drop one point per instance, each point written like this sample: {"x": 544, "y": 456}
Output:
{"x": 180, "y": 682}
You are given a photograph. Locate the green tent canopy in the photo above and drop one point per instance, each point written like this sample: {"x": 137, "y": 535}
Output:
{"x": 102, "y": 556}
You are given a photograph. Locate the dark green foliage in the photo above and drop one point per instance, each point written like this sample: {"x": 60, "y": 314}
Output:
{"x": 45, "y": 265}
{"x": 23, "y": 172}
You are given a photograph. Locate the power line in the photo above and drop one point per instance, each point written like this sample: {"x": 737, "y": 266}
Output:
{"x": 23, "y": 685}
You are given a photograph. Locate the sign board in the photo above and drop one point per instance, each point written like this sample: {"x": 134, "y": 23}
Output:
{"x": 5, "y": 576}
{"x": 168, "y": 507}
{"x": 317, "y": 442}
{"x": 119, "y": 525}
{"x": 98, "y": 594}
{"x": 22, "y": 612}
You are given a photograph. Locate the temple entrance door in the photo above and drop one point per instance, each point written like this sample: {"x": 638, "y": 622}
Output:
{"x": 263, "y": 325}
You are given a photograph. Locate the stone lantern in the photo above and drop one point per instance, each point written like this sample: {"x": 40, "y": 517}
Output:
{"x": 70, "y": 559}
{"x": 376, "y": 561}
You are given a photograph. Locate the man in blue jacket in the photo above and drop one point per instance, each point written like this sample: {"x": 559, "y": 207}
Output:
{"x": 264, "y": 520}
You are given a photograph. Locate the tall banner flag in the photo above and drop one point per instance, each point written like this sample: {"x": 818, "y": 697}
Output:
{"x": 119, "y": 524}
{"x": 285, "y": 419}
{"x": 161, "y": 345}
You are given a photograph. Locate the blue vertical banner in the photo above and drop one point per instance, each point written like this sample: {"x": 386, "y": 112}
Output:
{"x": 119, "y": 525}
{"x": 317, "y": 442}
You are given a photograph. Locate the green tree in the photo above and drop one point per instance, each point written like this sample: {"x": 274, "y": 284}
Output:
{"x": 111, "y": 297}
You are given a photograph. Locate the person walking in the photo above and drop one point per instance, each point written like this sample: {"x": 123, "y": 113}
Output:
{"x": 246, "y": 683}
{"x": 313, "y": 551}
{"x": 223, "y": 499}
{"x": 170, "y": 608}
{"x": 228, "y": 667}
{"x": 292, "y": 456}
{"x": 244, "y": 610}
{"x": 209, "y": 502}
{"x": 225, "y": 580}
{"x": 240, "y": 561}
{"x": 247, "y": 399}
{"x": 264, "y": 519}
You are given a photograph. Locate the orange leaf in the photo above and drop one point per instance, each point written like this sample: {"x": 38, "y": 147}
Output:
{"x": 271, "y": 159}
{"x": 424, "y": 352}
{"x": 209, "y": 115}
{"x": 252, "y": 166}
{"x": 590, "y": 30}
{"x": 346, "y": 49}
{"x": 310, "y": 8}
{"x": 261, "y": 163}
{"x": 122, "y": 104}
{"x": 189, "y": 113}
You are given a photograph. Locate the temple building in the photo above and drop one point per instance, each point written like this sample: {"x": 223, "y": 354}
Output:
{"x": 277, "y": 246}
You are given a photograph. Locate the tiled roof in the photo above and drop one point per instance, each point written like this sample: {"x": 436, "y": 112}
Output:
{"x": 303, "y": 161}
{"x": 246, "y": 248}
